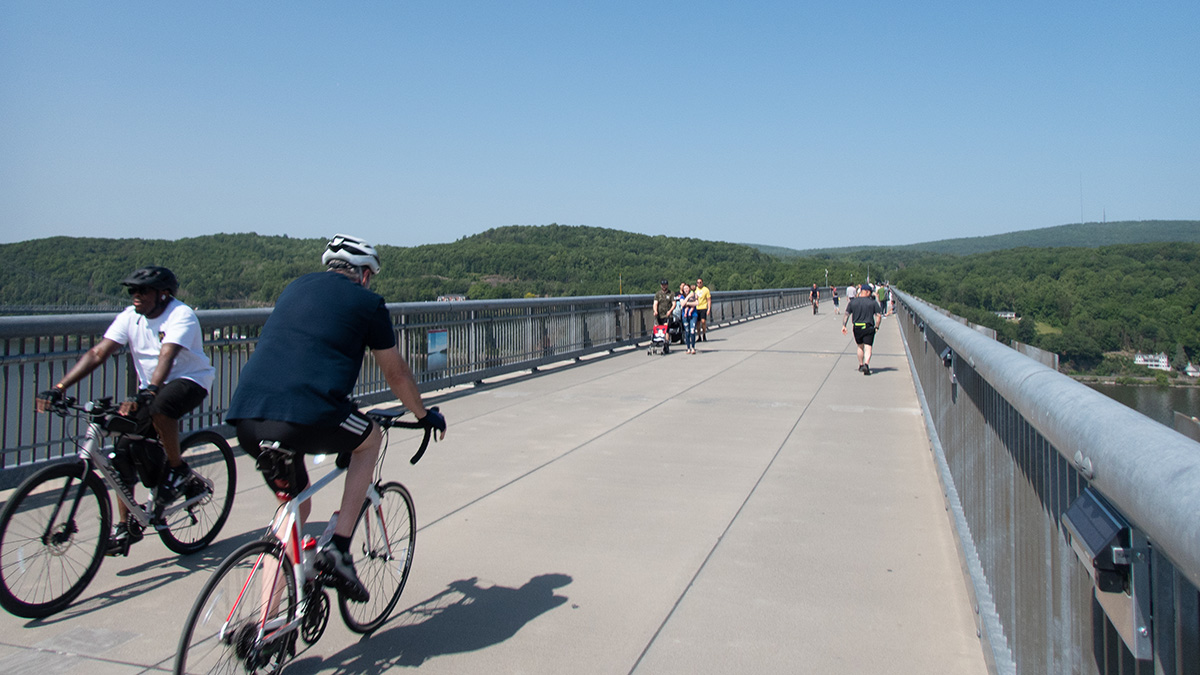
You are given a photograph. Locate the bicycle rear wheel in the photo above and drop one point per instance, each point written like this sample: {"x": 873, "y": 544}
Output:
{"x": 254, "y": 584}
{"x": 190, "y": 529}
{"x": 383, "y": 543}
{"x": 53, "y": 532}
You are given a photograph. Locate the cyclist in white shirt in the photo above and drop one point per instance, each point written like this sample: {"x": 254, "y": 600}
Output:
{"x": 174, "y": 376}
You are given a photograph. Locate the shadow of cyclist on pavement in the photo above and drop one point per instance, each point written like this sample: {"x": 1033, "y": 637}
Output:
{"x": 463, "y": 618}
{"x": 147, "y": 576}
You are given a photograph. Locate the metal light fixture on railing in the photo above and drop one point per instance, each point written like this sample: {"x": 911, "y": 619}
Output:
{"x": 947, "y": 357}
{"x": 1116, "y": 557}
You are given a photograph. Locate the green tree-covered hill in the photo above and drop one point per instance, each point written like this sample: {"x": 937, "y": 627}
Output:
{"x": 245, "y": 270}
{"x": 1079, "y": 302}
{"x": 1143, "y": 297}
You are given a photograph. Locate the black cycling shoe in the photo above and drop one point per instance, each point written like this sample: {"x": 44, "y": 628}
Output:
{"x": 341, "y": 567}
{"x": 866, "y": 369}
{"x": 178, "y": 482}
{"x": 124, "y": 536}
{"x": 172, "y": 484}
{"x": 194, "y": 487}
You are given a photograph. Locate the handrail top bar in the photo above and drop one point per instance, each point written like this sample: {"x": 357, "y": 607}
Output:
{"x": 96, "y": 323}
{"x": 576, "y": 300}
{"x": 1147, "y": 470}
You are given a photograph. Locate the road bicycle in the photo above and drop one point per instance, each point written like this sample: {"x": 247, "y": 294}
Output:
{"x": 269, "y": 592}
{"x": 55, "y": 528}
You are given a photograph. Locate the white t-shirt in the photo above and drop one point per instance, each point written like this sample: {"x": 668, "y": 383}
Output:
{"x": 145, "y": 337}
{"x": 850, "y": 292}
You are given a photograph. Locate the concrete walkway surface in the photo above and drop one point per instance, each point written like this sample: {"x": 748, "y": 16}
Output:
{"x": 758, "y": 507}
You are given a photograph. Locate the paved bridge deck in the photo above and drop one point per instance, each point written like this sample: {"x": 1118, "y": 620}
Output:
{"x": 758, "y": 507}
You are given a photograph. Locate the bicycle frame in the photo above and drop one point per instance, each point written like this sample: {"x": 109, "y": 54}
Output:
{"x": 91, "y": 452}
{"x": 243, "y": 616}
{"x": 285, "y": 526}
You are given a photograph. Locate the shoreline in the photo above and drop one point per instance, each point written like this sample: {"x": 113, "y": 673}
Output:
{"x": 1181, "y": 382}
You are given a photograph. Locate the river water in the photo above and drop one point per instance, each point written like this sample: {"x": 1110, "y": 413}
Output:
{"x": 1157, "y": 403}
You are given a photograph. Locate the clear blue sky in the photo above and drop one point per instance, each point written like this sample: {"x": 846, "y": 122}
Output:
{"x": 790, "y": 123}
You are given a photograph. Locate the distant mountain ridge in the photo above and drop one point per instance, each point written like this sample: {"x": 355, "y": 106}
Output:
{"x": 250, "y": 270}
{"x": 1083, "y": 235}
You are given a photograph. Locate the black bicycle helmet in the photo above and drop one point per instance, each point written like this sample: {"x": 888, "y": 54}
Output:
{"x": 153, "y": 276}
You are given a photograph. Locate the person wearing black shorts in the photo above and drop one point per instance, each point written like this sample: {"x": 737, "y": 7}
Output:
{"x": 867, "y": 316}
{"x": 703, "y": 303}
{"x": 164, "y": 337}
{"x": 296, "y": 387}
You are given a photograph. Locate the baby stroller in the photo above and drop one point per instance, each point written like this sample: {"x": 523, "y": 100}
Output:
{"x": 660, "y": 343}
{"x": 675, "y": 329}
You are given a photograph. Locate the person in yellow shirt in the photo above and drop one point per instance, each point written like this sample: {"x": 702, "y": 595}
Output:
{"x": 703, "y": 300}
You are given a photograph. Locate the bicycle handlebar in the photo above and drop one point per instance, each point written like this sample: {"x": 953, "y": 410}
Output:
{"x": 390, "y": 417}
{"x": 386, "y": 418}
{"x": 97, "y": 407}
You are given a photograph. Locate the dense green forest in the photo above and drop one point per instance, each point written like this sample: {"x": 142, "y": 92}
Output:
{"x": 1079, "y": 302}
{"x": 245, "y": 270}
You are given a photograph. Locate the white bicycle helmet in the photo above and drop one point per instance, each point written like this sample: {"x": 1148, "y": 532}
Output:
{"x": 352, "y": 250}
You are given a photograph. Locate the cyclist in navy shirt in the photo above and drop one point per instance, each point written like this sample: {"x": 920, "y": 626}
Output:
{"x": 296, "y": 387}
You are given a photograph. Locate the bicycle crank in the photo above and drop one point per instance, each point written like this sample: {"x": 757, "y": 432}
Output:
{"x": 316, "y": 616}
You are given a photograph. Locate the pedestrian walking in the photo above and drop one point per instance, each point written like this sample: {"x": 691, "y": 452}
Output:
{"x": 867, "y": 315}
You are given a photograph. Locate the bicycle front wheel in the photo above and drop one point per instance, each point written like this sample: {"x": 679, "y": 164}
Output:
{"x": 193, "y": 527}
{"x": 383, "y": 543}
{"x": 251, "y": 594}
{"x": 53, "y": 532}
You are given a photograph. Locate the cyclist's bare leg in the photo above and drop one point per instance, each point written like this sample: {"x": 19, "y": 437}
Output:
{"x": 358, "y": 478}
{"x": 272, "y": 593}
{"x": 168, "y": 433}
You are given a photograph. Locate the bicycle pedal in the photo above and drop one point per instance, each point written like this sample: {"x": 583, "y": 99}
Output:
{"x": 117, "y": 550}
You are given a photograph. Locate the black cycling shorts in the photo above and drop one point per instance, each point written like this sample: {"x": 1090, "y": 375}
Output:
{"x": 177, "y": 398}
{"x": 174, "y": 399}
{"x": 864, "y": 336}
{"x": 306, "y": 439}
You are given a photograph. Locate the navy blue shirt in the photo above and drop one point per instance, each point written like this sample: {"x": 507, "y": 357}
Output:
{"x": 310, "y": 352}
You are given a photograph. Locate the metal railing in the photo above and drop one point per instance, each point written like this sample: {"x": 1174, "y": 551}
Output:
{"x": 446, "y": 344}
{"x": 1018, "y": 444}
